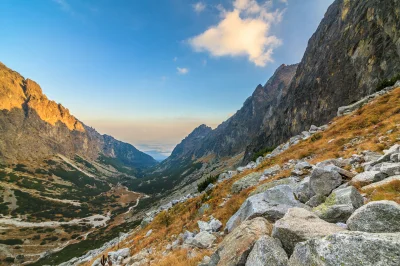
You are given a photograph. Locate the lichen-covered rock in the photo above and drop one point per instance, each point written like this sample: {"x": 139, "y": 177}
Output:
{"x": 236, "y": 246}
{"x": 323, "y": 181}
{"x": 349, "y": 249}
{"x": 300, "y": 225}
{"x": 340, "y": 204}
{"x": 316, "y": 200}
{"x": 272, "y": 204}
{"x": 272, "y": 170}
{"x": 245, "y": 182}
{"x": 376, "y": 217}
{"x": 267, "y": 251}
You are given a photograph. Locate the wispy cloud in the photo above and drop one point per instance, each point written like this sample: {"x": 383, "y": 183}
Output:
{"x": 175, "y": 59}
{"x": 242, "y": 31}
{"x": 199, "y": 7}
{"x": 64, "y": 5}
{"x": 183, "y": 70}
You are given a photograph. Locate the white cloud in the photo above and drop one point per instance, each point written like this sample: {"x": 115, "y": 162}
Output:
{"x": 182, "y": 71}
{"x": 243, "y": 31}
{"x": 199, "y": 7}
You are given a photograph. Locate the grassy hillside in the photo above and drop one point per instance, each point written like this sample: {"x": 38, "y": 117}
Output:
{"x": 374, "y": 127}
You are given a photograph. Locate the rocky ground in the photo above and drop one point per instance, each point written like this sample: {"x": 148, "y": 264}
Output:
{"x": 329, "y": 196}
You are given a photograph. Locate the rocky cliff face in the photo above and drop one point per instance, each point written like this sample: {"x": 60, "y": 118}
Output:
{"x": 356, "y": 46}
{"x": 32, "y": 127}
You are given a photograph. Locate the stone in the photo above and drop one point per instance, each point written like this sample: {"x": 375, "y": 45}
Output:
{"x": 187, "y": 235}
{"x": 215, "y": 225}
{"x": 376, "y": 217}
{"x": 297, "y": 172}
{"x": 303, "y": 165}
{"x": 245, "y": 182}
{"x": 386, "y": 157}
{"x": 323, "y": 181}
{"x": 236, "y": 246}
{"x": 205, "y": 261}
{"x": 272, "y": 170}
{"x": 271, "y": 204}
{"x": 340, "y": 205}
{"x": 299, "y": 225}
{"x": 202, "y": 240}
{"x": 316, "y": 200}
{"x": 203, "y": 208}
{"x": 267, "y": 251}
{"x": 388, "y": 169}
{"x": 370, "y": 156}
{"x": 303, "y": 191}
{"x": 381, "y": 183}
{"x": 209, "y": 187}
{"x": 341, "y": 171}
{"x": 395, "y": 158}
{"x": 124, "y": 253}
{"x": 204, "y": 226}
{"x": 149, "y": 233}
{"x": 366, "y": 178}
{"x": 290, "y": 181}
{"x": 348, "y": 249}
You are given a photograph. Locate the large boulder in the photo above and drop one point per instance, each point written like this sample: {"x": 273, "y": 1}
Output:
{"x": 299, "y": 225}
{"x": 386, "y": 157}
{"x": 203, "y": 239}
{"x": 245, "y": 182}
{"x": 323, "y": 181}
{"x": 340, "y": 204}
{"x": 376, "y": 217}
{"x": 267, "y": 251}
{"x": 291, "y": 181}
{"x": 272, "y": 204}
{"x": 303, "y": 190}
{"x": 349, "y": 249}
{"x": 367, "y": 177}
{"x": 236, "y": 246}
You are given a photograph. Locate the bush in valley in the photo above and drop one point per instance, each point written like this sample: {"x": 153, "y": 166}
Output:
{"x": 9, "y": 259}
{"x": 262, "y": 152}
{"x": 204, "y": 184}
{"x": 388, "y": 82}
{"x": 11, "y": 242}
{"x": 316, "y": 136}
{"x": 36, "y": 237}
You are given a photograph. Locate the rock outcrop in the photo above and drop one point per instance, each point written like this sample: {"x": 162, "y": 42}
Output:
{"x": 353, "y": 50}
{"x": 32, "y": 127}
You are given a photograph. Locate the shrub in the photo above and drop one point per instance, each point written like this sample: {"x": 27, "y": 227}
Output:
{"x": 263, "y": 152}
{"x": 316, "y": 136}
{"x": 209, "y": 180}
{"x": 11, "y": 242}
{"x": 164, "y": 218}
{"x": 388, "y": 82}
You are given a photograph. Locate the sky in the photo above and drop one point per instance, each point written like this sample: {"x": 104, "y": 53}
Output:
{"x": 149, "y": 72}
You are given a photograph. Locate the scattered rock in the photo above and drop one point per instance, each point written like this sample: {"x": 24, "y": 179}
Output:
{"x": 290, "y": 181}
{"x": 303, "y": 191}
{"x": 366, "y": 177}
{"x": 202, "y": 240}
{"x": 272, "y": 204}
{"x": 149, "y": 233}
{"x": 381, "y": 183}
{"x": 245, "y": 182}
{"x": 267, "y": 251}
{"x": 236, "y": 246}
{"x": 376, "y": 217}
{"x": 316, "y": 200}
{"x": 349, "y": 248}
{"x": 124, "y": 253}
{"x": 299, "y": 225}
{"x": 323, "y": 181}
{"x": 272, "y": 170}
{"x": 340, "y": 205}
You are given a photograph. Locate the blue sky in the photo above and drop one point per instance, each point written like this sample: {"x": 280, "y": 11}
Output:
{"x": 148, "y": 72}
